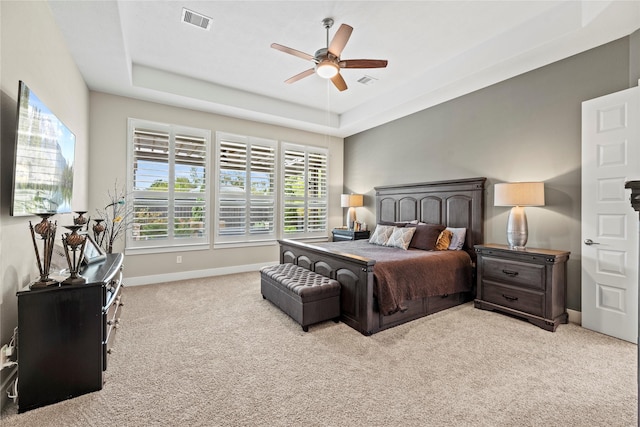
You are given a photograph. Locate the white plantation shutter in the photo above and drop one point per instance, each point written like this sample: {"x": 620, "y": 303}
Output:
{"x": 246, "y": 188}
{"x": 262, "y": 177}
{"x": 190, "y": 188}
{"x": 294, "y": 191}
{"x": 168, "y": 185}
{"x": 317, "y": 196}
{"x": 305, "y": 198}
{"x": 150, "y": 168}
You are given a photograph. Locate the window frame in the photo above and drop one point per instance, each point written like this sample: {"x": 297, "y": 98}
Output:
{"x": 246, "y": 238}
{"x": 306, "y": 233}
{"x": 171, "y": 243}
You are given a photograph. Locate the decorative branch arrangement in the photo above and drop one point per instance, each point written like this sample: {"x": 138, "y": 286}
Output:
{"x": 113, "y": 220}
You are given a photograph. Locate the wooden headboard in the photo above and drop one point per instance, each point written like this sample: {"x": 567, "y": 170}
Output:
{"x": 455, "y": 203}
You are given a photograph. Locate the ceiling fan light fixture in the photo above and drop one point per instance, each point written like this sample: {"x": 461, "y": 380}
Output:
{"x": 327, "y": 69}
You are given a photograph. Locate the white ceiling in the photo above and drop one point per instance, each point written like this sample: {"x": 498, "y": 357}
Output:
{"x": 437, "y": 50}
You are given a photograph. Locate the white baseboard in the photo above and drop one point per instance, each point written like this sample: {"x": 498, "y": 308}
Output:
{"x": 6, "y": 385}
{"x": 194, "y": 274}
{"x": 575, "y": 316}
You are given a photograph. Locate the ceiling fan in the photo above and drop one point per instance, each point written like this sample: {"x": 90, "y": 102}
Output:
{"x": 327, "y": 59}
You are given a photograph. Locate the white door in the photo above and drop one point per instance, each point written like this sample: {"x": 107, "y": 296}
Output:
{"x": 610, "y": 158}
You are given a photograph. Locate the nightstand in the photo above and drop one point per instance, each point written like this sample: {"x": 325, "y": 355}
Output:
{"x": 530, "y": 284}
{"x": 343, "y": 234}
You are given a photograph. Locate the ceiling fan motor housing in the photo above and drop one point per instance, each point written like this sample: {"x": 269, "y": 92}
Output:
{"x": 324, "y": 54}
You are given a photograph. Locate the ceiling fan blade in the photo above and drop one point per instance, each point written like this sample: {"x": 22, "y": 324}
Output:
{"x": 339, "y": 82}
{"x": 301, "y": 75}
{"x": 291, "y": 51}
{"x": 363, "y": 63}
{"x": 340, "y": 39}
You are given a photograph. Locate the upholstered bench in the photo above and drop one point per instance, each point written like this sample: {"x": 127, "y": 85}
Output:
{"x": 306, "y": 296}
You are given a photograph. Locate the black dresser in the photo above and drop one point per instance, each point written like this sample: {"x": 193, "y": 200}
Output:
{"x": 65, "y": 334}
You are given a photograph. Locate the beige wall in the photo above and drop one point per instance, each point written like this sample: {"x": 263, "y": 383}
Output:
{"x": 107, "y": 163}
{"x": 32, "y": 50}
{"x": 525, "y": 128}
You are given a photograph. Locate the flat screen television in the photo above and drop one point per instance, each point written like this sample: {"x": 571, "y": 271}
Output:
{"x": 44, "y": 156}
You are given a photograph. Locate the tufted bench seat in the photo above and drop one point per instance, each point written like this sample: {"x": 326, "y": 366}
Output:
{"x": 306, "y": 296}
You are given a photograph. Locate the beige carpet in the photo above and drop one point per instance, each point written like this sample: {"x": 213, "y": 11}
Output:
{"x": 212, "y": 352}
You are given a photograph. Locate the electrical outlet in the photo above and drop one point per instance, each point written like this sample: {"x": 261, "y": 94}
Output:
{"x": 179, "y": 259}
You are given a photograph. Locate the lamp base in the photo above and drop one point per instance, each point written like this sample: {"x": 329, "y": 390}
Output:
{"x": 351, "y": 218}
{"x": 517, "y": 248}
{"x": 517, "y": 228}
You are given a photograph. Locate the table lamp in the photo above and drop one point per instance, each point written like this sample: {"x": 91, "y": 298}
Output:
{"x": 351, "y": 201}
{"x": 518, "y": 195}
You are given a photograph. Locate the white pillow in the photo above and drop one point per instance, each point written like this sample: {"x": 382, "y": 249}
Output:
{"x": 401, "y": 237}
{"x": 457, "y": 240}
{"x": 381, "y": 234}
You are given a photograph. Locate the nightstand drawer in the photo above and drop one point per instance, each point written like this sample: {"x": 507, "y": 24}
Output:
{"x": 518, "y": 299}
{"x": 514, "y": 272}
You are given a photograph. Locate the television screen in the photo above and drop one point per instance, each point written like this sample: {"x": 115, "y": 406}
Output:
{"x": 44, "y": 155}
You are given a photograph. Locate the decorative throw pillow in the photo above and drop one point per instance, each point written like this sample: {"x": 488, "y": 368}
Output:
{"x": 425, "y": 236}
{"x": 457, "y": 240}
{"x": 381, "y": 234}
{"x": 444, "y": 240}
{"x": 401, "y": 237}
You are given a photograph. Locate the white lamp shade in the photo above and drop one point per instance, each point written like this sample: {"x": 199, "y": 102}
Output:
{"x": 351, "y": 200}
{"x": 519, "y": 194}
{"x": 327, "y": 69}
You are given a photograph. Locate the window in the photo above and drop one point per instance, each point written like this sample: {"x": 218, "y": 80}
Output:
{"x": 168, "y": 184}
{"x": 246, "y": 198}
{"x": 305, "y": 198}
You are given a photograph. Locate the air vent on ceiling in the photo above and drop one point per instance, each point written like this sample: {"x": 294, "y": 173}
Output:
{"x": 367, "y": 80}
{"x": 197, "y": 19}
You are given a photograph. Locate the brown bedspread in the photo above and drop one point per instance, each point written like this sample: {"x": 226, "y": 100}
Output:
{"x": 412, "y": 274}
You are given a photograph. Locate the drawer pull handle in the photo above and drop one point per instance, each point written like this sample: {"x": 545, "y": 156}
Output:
{"x": 510, "y": 273}
{"x": 510, "y": 298}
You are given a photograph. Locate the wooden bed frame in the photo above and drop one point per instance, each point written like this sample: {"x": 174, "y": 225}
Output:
{"x": 457, "y": 203}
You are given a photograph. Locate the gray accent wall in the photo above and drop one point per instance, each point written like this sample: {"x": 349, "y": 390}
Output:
{"x": 527, "y": 128}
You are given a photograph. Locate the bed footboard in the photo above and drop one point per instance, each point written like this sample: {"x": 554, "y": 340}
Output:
{"x": 354, "y": 273}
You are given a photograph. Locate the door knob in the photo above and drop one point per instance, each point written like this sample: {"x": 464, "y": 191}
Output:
{"x": 590, "y": 242}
